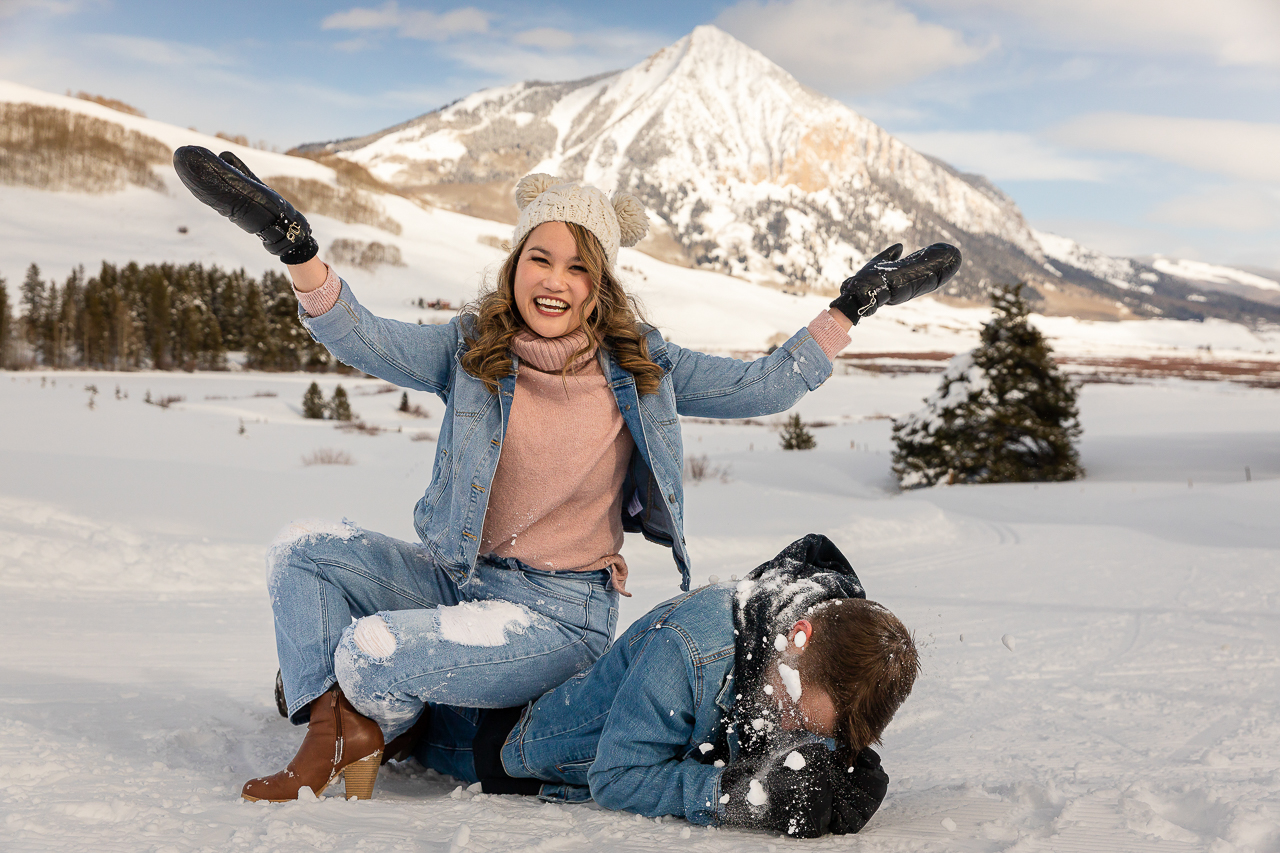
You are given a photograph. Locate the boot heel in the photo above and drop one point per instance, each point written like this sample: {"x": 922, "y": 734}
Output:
{"x": 361, "y": 775}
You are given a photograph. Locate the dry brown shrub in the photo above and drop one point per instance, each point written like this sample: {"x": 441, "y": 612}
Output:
{"x": 699, "y": 468}
{"x": 358, "y": 425}
{"x": 328, "y": 456}
{"x": 111, "y": 104}
{"x": 364, "y": 255}
{"x": 54, "y": 149}
{"x": 344, "y": 203}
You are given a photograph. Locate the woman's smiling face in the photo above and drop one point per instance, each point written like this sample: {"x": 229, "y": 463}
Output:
{"x": 552, "y": 284}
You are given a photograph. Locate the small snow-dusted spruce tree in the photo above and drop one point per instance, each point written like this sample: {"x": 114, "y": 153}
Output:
{"x": 1003, "y": 413}
{"x": 340, "y": 406}
{"x": 795, "y": 436}
{"x": 313, "y": 404}
{"x": 404, "y": 402}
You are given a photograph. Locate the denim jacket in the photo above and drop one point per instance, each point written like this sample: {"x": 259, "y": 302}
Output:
{"x": 450, "y": 516}
{"x": 642, "y": 729}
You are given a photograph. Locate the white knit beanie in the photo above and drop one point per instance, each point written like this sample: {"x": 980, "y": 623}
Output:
{"x": 544, "y": 198}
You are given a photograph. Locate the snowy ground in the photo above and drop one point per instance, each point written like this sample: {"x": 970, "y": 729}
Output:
{"x": 1132, "y": 708}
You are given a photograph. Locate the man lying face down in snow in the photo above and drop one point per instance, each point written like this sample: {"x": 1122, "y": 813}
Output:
{"x": 719, "y": 705}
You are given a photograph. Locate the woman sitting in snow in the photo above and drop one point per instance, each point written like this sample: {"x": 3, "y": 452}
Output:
{"x": 713, "y": 707}
{"x": 561, "y": 431}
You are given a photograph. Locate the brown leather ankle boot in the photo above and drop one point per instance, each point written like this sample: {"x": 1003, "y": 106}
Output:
{"x": 340, "y": 741}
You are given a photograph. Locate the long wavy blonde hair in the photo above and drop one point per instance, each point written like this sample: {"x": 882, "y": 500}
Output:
{"x": 610, "y": 318}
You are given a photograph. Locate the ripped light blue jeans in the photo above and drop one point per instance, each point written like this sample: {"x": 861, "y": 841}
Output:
{"x": 377, "y": 616}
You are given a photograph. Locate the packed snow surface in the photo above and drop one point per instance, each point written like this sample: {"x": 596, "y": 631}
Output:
{"x": 1137, "y": 714}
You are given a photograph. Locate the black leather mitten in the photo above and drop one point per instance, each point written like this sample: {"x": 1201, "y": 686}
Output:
{"x": 226, "y": 184}
{"x": 888, "y": 279}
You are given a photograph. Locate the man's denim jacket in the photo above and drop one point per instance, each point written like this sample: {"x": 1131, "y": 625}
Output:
{"x": 642, "y": 728}
{"x": 450, "y": 516}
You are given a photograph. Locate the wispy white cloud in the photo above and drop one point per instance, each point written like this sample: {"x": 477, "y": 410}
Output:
{"x": 541, "y": 56}
{"x": 13, "y": 8}
{"x": 411, "y": 23}
{"x": 1238, "y": 149}
{"x": 1125, "y": 239}
{"x": 848, "y": 47}
{"x": 169, "y": 54}
{"x": 547, "y": 38}
{"x": 1005, "y": 156}
{"x": 1235, "y": 207}
{"x": 1232, "y": 32}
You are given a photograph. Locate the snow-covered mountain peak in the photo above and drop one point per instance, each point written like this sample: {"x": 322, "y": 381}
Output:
{"x": 744, "y": 169}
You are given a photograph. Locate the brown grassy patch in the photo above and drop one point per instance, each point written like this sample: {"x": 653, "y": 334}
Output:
{"x": 344, "y": 203}
{"x": 366, "y": 256}
{"x": 1257, "y": 373}
{"x": 111, "y": 104}
{"x": 491, "y": 200}
{"x": 54, "y": 149}
{"x": 349, "y": 174}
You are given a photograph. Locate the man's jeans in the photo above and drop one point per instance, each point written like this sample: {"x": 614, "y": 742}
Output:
{"x": 424, "y": 634}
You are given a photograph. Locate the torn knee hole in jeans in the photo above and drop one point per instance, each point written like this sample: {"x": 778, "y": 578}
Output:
{"x": 373, "y": 637}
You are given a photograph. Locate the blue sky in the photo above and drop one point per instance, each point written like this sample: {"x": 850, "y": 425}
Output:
{"x": 1133, "y": 126}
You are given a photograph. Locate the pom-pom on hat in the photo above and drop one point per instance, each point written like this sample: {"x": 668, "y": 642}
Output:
{"x": 619, "y": 221}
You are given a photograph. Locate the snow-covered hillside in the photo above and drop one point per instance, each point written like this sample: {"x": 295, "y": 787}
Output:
{"x": 1100, "y": 657}
{"x": 447, "y": 255}
{"x": 1144, "y": 276}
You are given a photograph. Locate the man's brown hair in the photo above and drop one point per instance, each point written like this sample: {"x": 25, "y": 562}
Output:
{"x": 865, "y": 658}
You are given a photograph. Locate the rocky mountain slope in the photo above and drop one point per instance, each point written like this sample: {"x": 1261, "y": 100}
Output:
{"x": 746, "y": 171}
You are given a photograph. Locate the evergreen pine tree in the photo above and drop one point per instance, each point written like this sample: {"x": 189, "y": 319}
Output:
{"x": 213, "y": 354}
{"x": 340, "y": 406}
{"x": 230, "y": 311}
{"x": 32, "y": 300}
{"x": 313, "y": 405}
{"x": 159, "y": 326}
{"x": 6, "y": 324}
{"x": 1002, "y": 413}
{"x": 71, "y": 318}
{"x": 260, "y": 346}
{"x": 48, "y": 330}
{"x": 795, "y": 436}
{"x": 404, "y": 401}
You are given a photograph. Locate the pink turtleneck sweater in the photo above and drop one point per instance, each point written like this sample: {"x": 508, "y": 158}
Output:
{"x": 556, "y": 498}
